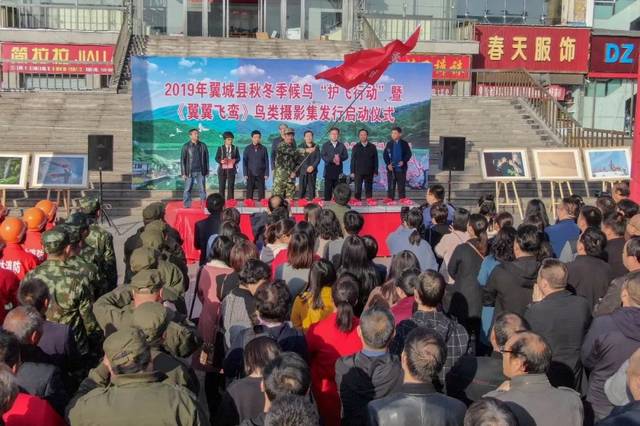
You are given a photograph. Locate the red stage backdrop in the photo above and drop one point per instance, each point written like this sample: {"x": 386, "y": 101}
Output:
{"x": 534, "y": 48}
{"x": 445, "y": 67}
{"x": 57, "y": 58}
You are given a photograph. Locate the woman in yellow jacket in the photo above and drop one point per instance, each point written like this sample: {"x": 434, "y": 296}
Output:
{"x": 315, "y": 302}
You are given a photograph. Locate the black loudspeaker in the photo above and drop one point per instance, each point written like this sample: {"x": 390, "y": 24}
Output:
{"x": 452, "y": 149}
{"x": 101, "y": 153}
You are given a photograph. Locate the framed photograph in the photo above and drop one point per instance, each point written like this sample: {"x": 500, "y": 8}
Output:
{"x": 505, "y": 164}
{"x": 14, "y": 170}
{"x": 558, "y": 164}
{"x": 608, "y": 164}
{"x": 60, "y": 171}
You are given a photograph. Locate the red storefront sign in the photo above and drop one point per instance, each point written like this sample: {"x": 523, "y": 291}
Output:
{"x": 57, "y": 58}
{"x": 540, "y": 49}
{"x": 488, "y": 89}
{"x": 445, "y": 67}
{"x": 614, "y": 57}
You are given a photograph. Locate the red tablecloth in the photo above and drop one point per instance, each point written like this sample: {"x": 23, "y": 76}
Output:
{"x": 379, "y": 225}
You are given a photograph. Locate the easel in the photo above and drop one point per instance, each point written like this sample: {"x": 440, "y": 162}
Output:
{"x": 554, "y": 201}
{"x": 65, "y": 194}
{"x": 508, "y": 201}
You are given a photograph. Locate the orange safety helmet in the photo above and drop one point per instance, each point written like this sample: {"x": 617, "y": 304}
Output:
{"x": 12, "y": 230}
{"x": 49, "y": 208}
{"x": 35, "y": 219}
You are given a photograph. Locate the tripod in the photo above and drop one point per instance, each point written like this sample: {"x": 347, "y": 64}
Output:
{"x": 103, "y": 213}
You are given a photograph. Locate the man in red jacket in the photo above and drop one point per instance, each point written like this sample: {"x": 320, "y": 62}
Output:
{"x": 9, "y": 284}
{"x": 13, "y": 257}
{"x": 50, "y": 209}
{"x": 35, "y": 219}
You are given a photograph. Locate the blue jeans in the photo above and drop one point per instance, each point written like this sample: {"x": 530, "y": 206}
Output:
{"x": 196, "y": 177}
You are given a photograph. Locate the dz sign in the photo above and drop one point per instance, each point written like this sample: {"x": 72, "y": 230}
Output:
{"x": 619, "y": 53}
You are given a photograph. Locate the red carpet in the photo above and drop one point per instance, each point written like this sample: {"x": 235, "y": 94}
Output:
{"x": 379, "y": 222}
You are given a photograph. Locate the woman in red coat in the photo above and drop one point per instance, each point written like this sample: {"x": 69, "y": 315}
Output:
{"x": 333, "y": 337}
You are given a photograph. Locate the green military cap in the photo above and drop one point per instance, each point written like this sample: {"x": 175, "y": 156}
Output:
{"x": 78, "y": 219}
{"x": 89, "y": 205}
{"x": 143, "y": 258}
{"x": 152, "y": 239}
{"x": 152, "y": 318}
{"x": 55, "y": 240}
{"x": 126, "y": 346}
{"x": 74, "y": 233}
{"x": 156, "y": 225}
{"x": 153, "y": 211}
{"x": 147, "y": 281}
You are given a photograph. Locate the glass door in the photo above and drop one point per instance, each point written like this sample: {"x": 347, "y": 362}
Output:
{"x": 293, "y": 13}
{"x": 242, "y": 18}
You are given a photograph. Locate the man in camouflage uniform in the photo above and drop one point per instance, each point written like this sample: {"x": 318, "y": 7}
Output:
{"x": 78, "y": 262}
{"x": 148, "y": 257}
{"x": 288, "y": 157}
{"x": 155, "y": 239}
{"x": 71, "y": 293}
{"x": 114, "y": 311}
{"x": 153, "y": 212}
{"x": 101, "y": 241}
{"x": 136, "y": 394}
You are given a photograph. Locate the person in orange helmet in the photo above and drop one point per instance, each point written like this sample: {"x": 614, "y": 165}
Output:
{"x": 50, "y": 209}
{"x": 36, "y": 220}
{"x": 14, "y": 258}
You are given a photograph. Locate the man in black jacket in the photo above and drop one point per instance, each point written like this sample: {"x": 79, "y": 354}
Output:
{"x": 309, "y": 167}
{"x": 205, "y": 228}
{"x": 562, "y": 319}
{"x": 397, "y": 154}
{"x": 611, "y": 340}
{"x": 631, "y": 260}
{"x": 255, "y": 164}
{"x": 417, "y": 402}
{"x": 372, "y": 373}
{"x": 227, "y": 157}
{"x": 194, "y": 165}
{"x": 364, "y": 164}
{"x": 474, "y": 376}
{"x": 510, "y": 285}
{"x": 333, "y": 153}
{"x": 275, "y": 142}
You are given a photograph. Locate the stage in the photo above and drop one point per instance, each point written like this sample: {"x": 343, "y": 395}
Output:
{"x": 379, "y": 222}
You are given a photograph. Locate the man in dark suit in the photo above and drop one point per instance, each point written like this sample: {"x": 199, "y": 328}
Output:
{"x": 364, "y": 164}
{"x": 275, "y": 142}
{"x": 333, "y": 153}
{"x": 22, "y": 329}
{"x": 562, "y": 319}
{"x": 255, "y": 164}
{"x": 209, "y": 226}
{"x": 474, "y": 376}
{"x": 396, "y": 156}
{"x": 57, "y": 340}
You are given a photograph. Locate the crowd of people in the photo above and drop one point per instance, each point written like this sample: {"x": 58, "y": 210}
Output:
{"x": 475, "y": 321}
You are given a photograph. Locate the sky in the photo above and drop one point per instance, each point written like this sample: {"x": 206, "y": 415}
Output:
{"x": 150, "y": 75}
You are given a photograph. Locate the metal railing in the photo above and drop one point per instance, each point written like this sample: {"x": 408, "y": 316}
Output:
{"x": 368, "y": 37}
{"x": 389, "y": 27}
{"x": 72, "y": 16}
{"x": 54, "y": 76}
{"x": 521, "y": 84}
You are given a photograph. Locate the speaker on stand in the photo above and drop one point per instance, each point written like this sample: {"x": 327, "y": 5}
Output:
{"x": 100, "y": 149}
{"x": 452, "y": 156}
